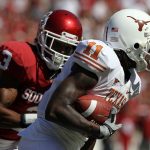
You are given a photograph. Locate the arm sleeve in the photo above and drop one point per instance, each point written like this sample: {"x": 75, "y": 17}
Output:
{"x": 10, "y": 61}
{"x": 90, "y": 55}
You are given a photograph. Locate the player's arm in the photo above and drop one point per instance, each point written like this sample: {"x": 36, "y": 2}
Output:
{"x": 89, "y": 145}
{"x": 60, "y": 108}
{"x": 9, "y": 83}
{"x": 8, "y": 93}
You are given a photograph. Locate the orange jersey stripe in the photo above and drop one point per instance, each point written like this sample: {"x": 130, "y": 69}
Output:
{"x": 90, "y": 59}
{"x": 87, "y": 62}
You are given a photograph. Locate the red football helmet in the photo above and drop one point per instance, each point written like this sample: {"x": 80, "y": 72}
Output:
{"x": 59, "y": 33}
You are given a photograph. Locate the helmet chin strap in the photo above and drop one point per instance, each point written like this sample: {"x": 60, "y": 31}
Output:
{"x": 48, "y": 63}
{"x": 51, "y": 66}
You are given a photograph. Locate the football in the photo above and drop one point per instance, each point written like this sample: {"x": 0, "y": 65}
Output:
{"x": 93, "y": 108}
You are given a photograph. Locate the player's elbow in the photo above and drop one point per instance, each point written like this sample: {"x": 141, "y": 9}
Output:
{"x": 53, "y": 112}
{"x": 50, "y": 114}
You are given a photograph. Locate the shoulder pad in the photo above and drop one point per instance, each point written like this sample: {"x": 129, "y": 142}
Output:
{"x": 95, "y": 56}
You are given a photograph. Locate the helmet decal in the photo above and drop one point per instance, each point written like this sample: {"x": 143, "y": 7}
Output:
{"x": 141, "y": 23}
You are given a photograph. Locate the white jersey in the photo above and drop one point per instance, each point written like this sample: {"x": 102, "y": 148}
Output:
{"x": 98, "y": 58}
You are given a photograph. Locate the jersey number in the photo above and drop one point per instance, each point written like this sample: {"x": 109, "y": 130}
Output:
{"x": 6, "y": 57}
{"x": 92, "y": 54}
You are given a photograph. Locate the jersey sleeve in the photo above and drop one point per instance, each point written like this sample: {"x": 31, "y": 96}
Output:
{"x": 11, "y": 60}
{"x": 95, "y": 56}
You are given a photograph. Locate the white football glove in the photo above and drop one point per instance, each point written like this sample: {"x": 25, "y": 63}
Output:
{"x": 109, "y": 126}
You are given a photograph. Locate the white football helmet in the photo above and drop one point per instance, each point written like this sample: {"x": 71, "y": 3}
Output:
{"x": 129, "y": 30}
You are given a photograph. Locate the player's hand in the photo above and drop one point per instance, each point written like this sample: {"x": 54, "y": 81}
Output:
{"x": 109, "y": 127}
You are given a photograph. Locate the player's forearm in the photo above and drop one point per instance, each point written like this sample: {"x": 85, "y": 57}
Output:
{"x": 9, "y": 118}
{"x": 12, "y": 119}
{"x": 70, "y": 118}
{"x": 89, "y": 145}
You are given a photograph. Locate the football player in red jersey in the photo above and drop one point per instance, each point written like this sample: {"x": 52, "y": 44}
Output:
{"x": 27, "y": 70}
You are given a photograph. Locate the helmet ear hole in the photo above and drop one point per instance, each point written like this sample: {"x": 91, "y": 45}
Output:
{"x": 136, "y": 45}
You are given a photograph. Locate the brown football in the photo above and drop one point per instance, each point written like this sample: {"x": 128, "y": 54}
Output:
{"x": 93, "y": 108}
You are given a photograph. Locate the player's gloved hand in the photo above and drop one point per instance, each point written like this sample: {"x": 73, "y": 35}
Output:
{"x": 109, "y": 127}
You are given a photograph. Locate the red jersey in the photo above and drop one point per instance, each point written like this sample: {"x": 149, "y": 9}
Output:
{"x": 21, "y": 62}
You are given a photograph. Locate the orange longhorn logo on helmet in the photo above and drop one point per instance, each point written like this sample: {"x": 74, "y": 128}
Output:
{"x": 141, "y": 23}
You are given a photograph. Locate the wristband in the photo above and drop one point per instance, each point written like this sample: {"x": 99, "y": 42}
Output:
{"x": 104, "y": 132}
{"x": 27, "y": 119}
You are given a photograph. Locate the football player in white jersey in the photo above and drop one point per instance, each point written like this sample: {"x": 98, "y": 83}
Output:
{"x": 95, "y": 68}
